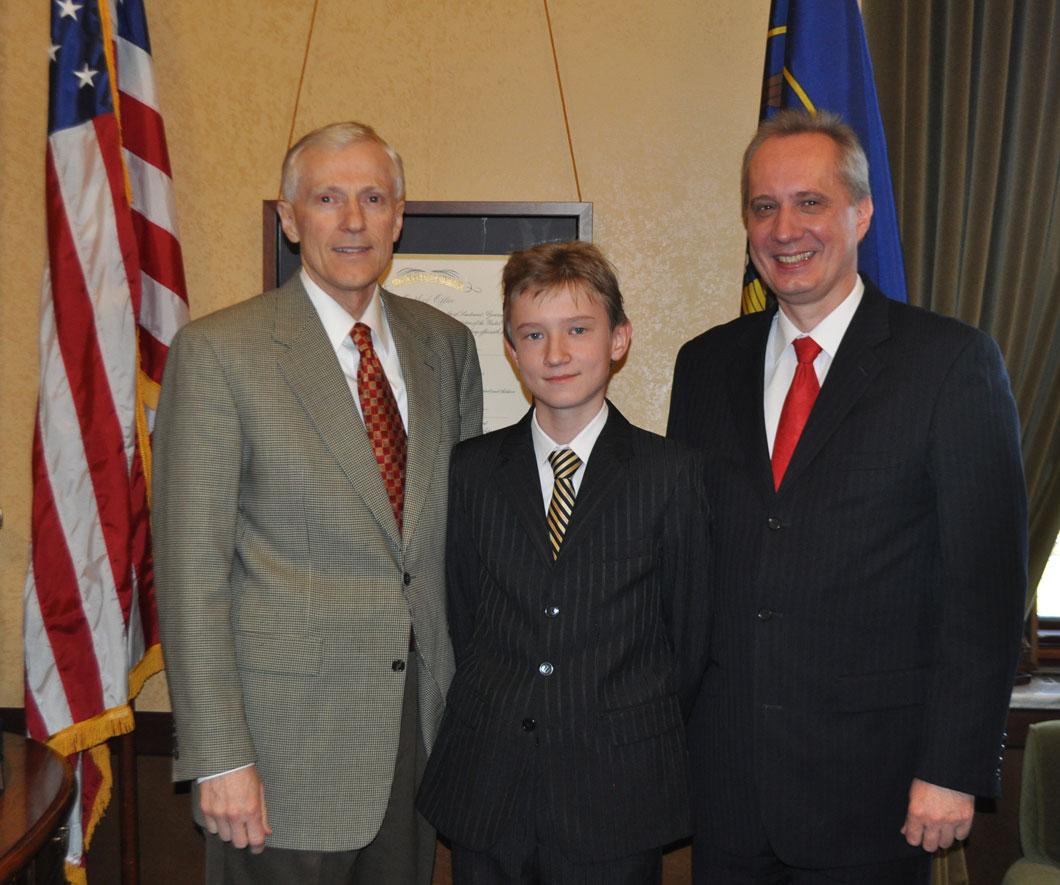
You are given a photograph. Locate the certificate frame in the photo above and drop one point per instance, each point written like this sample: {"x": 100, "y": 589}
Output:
{"x": 448, "y": 227}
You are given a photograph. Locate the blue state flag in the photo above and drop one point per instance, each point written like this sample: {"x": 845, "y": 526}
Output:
{"x": 817, "y": 59}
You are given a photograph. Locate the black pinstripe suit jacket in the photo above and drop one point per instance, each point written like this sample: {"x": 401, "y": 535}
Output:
{"x": 596, "y": 748}
{"x": 868, "y": 613}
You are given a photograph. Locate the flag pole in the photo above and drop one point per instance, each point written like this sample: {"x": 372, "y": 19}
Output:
{"x": 129, "y": 811}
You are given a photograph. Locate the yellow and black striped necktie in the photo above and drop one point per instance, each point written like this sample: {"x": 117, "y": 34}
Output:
{"x": 564, "y": 465}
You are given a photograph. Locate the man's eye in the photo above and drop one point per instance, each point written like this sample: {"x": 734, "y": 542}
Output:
{"x": 327, "y": 198}
{"x": 762, "y": 208}
{"x": 534, "y": 336}
{"x": 578, "y": 330}
{"x": 375, "y": 198}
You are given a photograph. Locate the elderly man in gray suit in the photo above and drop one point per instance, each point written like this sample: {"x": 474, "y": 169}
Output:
{"x": 300, "y": 483}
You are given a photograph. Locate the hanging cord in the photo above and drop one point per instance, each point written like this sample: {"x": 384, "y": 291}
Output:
{"x": 563, "y": 103}
{"x": 301, "y": 77}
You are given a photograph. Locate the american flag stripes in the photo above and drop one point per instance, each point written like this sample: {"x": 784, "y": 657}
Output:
{"x": 113, "y": 296}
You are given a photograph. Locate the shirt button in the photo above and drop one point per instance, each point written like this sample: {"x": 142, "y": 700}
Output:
{"x": 764, "y": 614}
{"x": 773, "y": 523}
{"x": 407, "y": 578}
{"x": 545, "y": 668}
{"x": 529, "y": 724}
{"x": 552, "y": 611}
{"x": 397, "y": 666}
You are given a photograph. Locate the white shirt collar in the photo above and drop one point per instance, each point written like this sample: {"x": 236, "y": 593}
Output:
{"x": 828, "y": 333}
{"x": 338, "y": 322}
{"x": 582, "y": 444}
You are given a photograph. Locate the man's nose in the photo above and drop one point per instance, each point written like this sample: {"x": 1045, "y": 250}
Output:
{"x": 785, "y": 224}
{"x": 353, "y": 217}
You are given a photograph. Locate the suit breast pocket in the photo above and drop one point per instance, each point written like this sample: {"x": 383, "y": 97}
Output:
{"x": 870, "y": 478}
{"x": 623, "y": 550}
{"x": 867, "y": 461}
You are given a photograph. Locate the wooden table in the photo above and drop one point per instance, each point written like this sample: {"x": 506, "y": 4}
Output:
{"x": 38, "y": 789}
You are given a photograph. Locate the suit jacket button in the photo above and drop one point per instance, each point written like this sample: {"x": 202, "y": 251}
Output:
{"x": 552, "y": 611}
{"x": 773, "y": 523}
{"x": 545, "y": 668}
{"x": 407, "y": 578}
{"x": 529, "y": 724}
{"x": 764, "y": 614}
{"x": 397, "y": 666}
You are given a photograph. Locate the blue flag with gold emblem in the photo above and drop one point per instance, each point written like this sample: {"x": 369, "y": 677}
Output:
{"x": 817, "y": 59}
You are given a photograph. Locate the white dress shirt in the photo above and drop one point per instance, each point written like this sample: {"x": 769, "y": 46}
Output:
{"x": 582, "y": 445}
{"x": 780, "y": 354}
{"x": 338, "y": 324}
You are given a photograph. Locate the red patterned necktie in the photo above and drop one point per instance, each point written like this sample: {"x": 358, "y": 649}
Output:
{"x": 797, "y": 405}
{"x": 382, "y": 419}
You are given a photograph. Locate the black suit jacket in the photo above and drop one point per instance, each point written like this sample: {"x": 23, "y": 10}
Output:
{"x": 596, "y": 748}
{"x": 868, "y": 613}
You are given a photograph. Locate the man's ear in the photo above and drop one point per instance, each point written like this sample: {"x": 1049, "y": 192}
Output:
{"x": 863, "y": 214}
{"x": 286, "y": 212}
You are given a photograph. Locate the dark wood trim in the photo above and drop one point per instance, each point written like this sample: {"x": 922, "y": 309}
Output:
{"x": 154, "y": 730}
{"x": 153, "y": 734}
{"x": 129, "y": 809}
{"x": 1019, "y": 721}
{"x": 13, "y": 719}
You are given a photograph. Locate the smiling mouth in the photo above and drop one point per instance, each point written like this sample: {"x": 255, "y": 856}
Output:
{"x": 350, "y": 250}
{"x": 793, "y": 259}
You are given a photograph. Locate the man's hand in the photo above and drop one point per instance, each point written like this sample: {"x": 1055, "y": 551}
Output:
{"x": 233, "y": 805}
{"x": 937, "y": 816}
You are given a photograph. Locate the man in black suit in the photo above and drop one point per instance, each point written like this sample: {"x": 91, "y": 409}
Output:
{"x": 578, "y": 605}
{"x": 870, "y": 565}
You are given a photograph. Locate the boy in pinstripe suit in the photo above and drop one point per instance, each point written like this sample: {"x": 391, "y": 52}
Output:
{"x": 576, "y": 562}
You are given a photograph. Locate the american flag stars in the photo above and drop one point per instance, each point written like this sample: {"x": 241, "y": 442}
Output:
{"x": 85, "y": 75}
{"x": 68, "y": 9}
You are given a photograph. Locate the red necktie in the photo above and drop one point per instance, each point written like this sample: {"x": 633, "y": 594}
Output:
{"x": 797, "y": 405}
{"x": 382, "y": 419}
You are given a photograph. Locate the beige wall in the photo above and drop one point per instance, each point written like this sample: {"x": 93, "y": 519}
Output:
{"x": 662, "y": 95}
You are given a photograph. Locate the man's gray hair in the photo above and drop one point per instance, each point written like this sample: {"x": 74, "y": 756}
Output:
{"x": 853, "y": 166}
{"x": 335, "y": 137}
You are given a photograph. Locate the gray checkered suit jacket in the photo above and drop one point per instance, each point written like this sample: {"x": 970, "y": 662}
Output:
{"x": 285, "y": 593}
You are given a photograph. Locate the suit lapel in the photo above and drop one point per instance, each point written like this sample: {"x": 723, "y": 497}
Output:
{"x": 855, "y": 366}
{"x": 745, "y": 384}
{"x": 608, "y": 464}
{"x": 518, "y": 481}
{"x": 421, "y": 387}
{"x": 308, "y": 362}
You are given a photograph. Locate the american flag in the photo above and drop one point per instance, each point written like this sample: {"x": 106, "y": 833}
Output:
{"x": 113, "y": 297}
